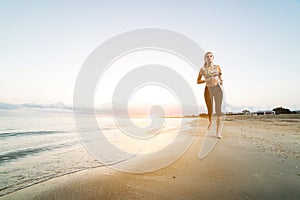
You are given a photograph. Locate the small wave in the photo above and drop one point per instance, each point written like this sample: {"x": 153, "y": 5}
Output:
{"x": 13, "y": 155}
{"x": 11, "y": 134}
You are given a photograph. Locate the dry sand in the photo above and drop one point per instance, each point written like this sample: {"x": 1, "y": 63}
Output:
{"x": 257, "y": 158}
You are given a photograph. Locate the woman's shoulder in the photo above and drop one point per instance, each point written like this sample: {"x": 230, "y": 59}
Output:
{"x": 218, "y": 67}
{"x": 202, "y": 69}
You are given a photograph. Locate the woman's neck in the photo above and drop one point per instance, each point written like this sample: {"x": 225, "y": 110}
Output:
{"x": 210, "y": 64}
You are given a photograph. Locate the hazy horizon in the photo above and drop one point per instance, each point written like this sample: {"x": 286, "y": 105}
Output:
{"x": 106, "y": 110}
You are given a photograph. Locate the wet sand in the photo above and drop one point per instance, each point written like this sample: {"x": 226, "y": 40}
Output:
{"x": 257, "y": 158}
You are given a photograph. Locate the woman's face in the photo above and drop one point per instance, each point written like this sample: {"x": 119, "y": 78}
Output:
{"x": 209, "y": 58}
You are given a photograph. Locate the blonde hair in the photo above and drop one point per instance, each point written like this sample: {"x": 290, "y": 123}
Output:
{"x": 205, "y": 64}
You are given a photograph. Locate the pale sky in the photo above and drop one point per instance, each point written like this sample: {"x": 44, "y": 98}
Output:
{"x": 43, "y": 45}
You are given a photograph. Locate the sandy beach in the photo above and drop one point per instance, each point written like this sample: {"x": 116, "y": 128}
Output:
{"x": 257, "y": 158}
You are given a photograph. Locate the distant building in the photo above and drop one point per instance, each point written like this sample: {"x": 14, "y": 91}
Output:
{"x": 246, "y": 112}
{"x": 234, "y": 113}
{"x": 266, "y": 112}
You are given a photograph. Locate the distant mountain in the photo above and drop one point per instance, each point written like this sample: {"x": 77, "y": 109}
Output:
{"x": 58, "y": 105}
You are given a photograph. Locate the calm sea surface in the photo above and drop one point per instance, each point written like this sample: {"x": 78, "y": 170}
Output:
{"x": 39, "y": 146}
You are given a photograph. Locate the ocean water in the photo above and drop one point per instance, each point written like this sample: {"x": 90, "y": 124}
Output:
{"x": 38, "y": 146}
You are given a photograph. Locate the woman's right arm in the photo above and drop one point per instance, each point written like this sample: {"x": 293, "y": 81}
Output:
{"x": 199, "y": 81}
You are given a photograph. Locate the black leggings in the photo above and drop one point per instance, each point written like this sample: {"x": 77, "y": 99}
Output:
{"x": 209, "y": 93}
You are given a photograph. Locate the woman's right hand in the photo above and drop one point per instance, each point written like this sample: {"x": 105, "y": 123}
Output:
{"x": 200, "y": 81}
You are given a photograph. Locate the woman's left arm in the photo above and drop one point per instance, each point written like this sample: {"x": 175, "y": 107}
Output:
{"x": 220, "y": 75}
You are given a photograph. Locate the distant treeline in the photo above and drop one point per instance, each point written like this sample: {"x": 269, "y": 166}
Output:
{"x": 281, "y": 110}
